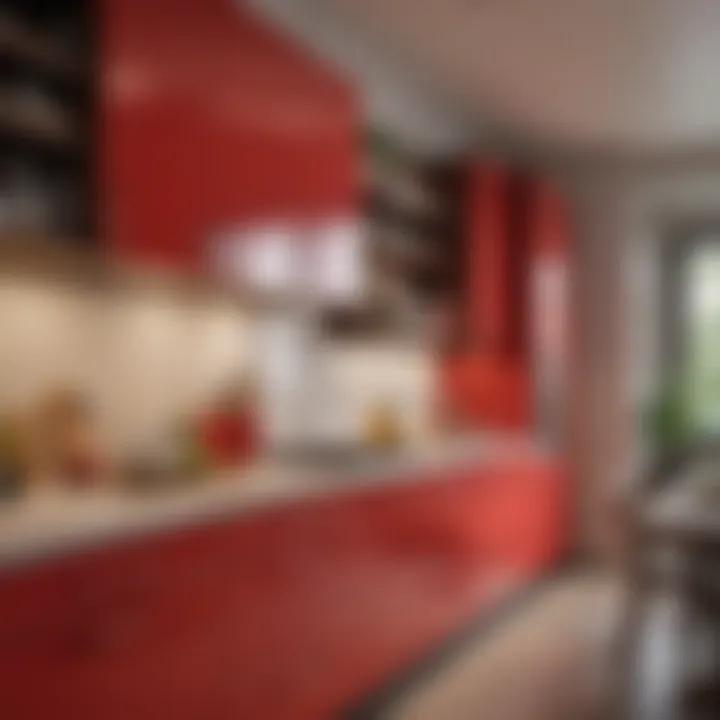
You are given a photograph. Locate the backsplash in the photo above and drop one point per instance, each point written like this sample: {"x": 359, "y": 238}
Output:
{"x": 145, "y": 357}
{"x": 142, "y": 356}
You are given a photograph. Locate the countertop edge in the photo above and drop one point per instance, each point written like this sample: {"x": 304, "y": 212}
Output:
{"x": 33, "y": 541}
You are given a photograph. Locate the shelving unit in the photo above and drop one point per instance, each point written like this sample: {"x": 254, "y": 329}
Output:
{"x": 414, "y": 210}
{"x": 47, "y": 124}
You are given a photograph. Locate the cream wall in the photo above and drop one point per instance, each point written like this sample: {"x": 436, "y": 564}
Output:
{"x": 402, "y": 376}
{"x": 145, "y": 357}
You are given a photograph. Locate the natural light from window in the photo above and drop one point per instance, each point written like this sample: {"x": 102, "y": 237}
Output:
{"x": 703, "y": 338}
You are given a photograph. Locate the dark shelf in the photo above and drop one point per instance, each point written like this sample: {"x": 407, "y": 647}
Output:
{"x": 26, "y": 47}
{"x": 425, "y": 256}
{"x": 384, "y": 212}
{"x": 18, "y": 59}
{"x": 355, "y": 324}
{"x": 28, "y": 137}
{"x": 47, "y": 106}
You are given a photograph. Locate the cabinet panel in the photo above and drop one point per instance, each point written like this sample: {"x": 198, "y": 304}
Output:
{"x": 210, "y": 119}
{"x": 289, "y": 613}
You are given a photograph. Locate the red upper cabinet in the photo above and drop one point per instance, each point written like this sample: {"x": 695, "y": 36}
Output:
{"x": 500, "y": 225}
{"x": 515, "y": 241}
{"x": 210, "y": 118}
{"x": 486, "y": 212}
{"x": 487, "y": 383}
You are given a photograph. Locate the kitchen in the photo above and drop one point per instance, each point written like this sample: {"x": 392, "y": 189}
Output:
{"x": 224, "y": 432}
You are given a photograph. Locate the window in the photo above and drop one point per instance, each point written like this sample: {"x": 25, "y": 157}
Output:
{"x": 690, "y": 312}
{"x": 701, "y": 353}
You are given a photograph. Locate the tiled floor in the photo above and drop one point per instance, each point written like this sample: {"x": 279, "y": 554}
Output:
{"x": 548, "y": 663}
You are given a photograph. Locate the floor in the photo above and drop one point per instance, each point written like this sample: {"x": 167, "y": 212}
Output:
{"x": 551, "y": 662}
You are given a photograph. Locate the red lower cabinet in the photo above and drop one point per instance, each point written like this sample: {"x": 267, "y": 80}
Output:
{"x": 288, "y": 614}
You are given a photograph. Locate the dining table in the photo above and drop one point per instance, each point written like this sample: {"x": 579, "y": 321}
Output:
{"x": 673, "y": 528}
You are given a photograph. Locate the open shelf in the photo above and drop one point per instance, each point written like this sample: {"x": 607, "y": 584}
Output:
{"x": 35, "y": 136}
{"x": 413, "y": 209}
{"x": 80, "y": 264}
{"x": 47, "y": 118}
{"x": 23, "y": 47}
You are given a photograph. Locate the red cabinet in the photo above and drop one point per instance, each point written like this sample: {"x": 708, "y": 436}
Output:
{"x": 292, "y": 612}
{"x": 513, "y": 224}
{"x": 210, "y": 119}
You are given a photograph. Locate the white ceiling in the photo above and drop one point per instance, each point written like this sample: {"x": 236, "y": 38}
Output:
{"x": 620, "y": 74}
{"x": 394, "y": 97}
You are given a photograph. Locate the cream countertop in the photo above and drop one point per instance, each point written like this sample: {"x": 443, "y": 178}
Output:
{"x": 50, "y": 522}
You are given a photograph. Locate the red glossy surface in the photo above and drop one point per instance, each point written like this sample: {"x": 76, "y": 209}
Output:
{"x": 290, "y": 614}
{"x": 487, "y": 212}
{"x": 511, "y": 224}
{"x": 551, "y": 226}
{"x": 210, "y": 119}
{"x": 230, "y": 437}
{"x": 487, "y": 383}
{"x": 487, "y": 391}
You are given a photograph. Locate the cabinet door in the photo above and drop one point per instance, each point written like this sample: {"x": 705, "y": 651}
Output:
{"x": 158, "y": 618}
{"x": 212, "y": 120}
{"x": 46, "y": 642}
{"x": 131, "y": 631}
{"x": 198, "y": 624}
{"x": 525, "y": 525}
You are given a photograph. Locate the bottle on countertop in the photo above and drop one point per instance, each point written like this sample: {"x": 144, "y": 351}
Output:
{"x": 14, "y": 458}
{"x": 176, "y": 458}
{"x": 194, "y": 462}
{"x": 383, "y": 427}
{"x": 229, "y": 429}
{"x": 70, "y": 448}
